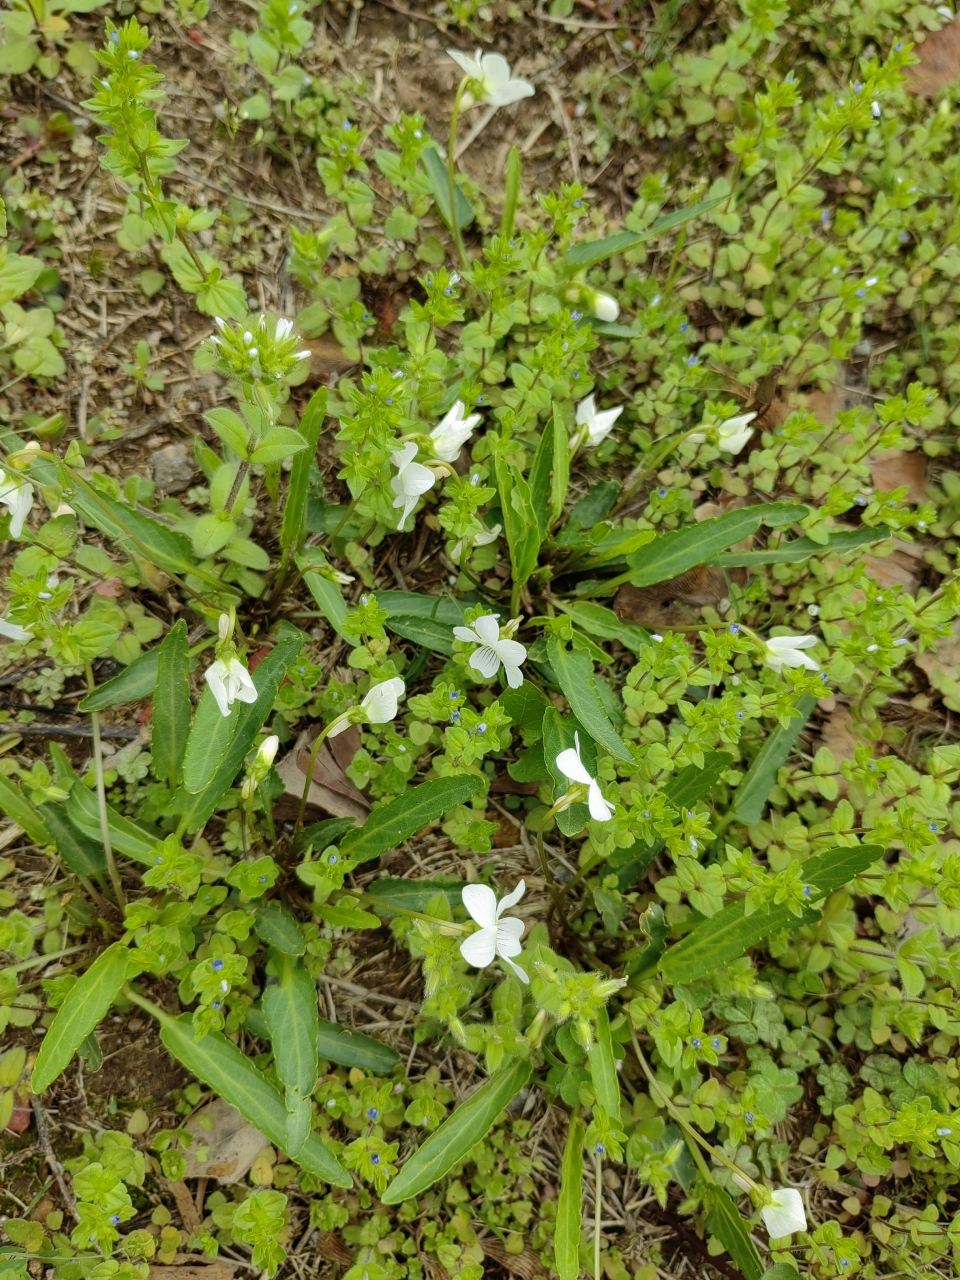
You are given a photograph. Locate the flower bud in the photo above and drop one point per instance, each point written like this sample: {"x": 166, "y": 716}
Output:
{"x": 267, "y": 750}
{"x": 224, "y": 626}
{"x": 605, "y": 307}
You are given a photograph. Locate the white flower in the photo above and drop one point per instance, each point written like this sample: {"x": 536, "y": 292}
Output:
{"x": 411, "y": 480}
{"x": 605, "y": 307}
{"x": 230, "y": 682}
{"x": 492, "y": 72}
{"x": 267, "y": 751}
{"x": 785, "y": 651}
{"x": 16, "y": 494}
{"x": 378, "y": 706}
{"x": 481, "y": 540}
{"x": 785, "y": 1215}
{"x": 495, "y": 937}
{"x": 284, "y": 329}
{"x": 572, "y": 767}
{"x": 732, "y": 435}
{"x": 598, "y": 425}
{"x": 12, "y": 632}
{"x": 493, "y": 650}
{"x": 451, "y": 434}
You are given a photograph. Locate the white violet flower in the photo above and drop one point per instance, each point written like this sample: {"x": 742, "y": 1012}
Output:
{"x": 785, "y": 651}
{"x": 493, "y": 651}
{"x": 572, "y": 767}
{"x": 229, "y": 682}
{"x": 411, "y": 481}
{"x": 481, "y": 540}
{"x": 379, "y": 705}
{"x": 495, "y": 937}
{"x": 597, "y": 426}
{"x": 491, "y": 71}
{"x": 605, "y": 307}
{"x": 11, "y": 631}
{"x": 785, "y": 1214}
{"x": 453, "y": 432}
{"x": 732, "y": 435}
{"x": 16, "y": 494}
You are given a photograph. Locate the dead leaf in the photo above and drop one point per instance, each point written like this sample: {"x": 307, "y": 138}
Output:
{"x": 527, "y": 1264}
{"x": 332, "y": 1249}
{"x": 838, "y": 734}
{"x": 941, "y": 667}
{"x": 228, "y": 1143}
{"x": 895, "y": 468}
{"x": 673, "y": 603}
{"x": 331, "y": 791}
{"x": 220, "y": 1269}
{"x": 939, "y": 63}
{"x": 185, "y": 1206}
{"x": 825, "y": 405}
{"x": 327, "y": 358}
{"x": 901, "y": 568}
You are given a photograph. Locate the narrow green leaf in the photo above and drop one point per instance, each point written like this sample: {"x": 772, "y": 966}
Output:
{"x": 436, "y": 171}
{"x": 293, "y": 527}
{"x": 338, "y": 1044}
{"x": 126, "y": 837}
{"x": 266, "y": 679}
{"x": 222, "y": 1067}
{"x": 603, "y": 1068}
{"x": 320, "y": 834}
{"x": 133, "y": 683}
{"x": 540, "y": 477}
{"x": 85, "y": 1005}
{"x": 751, "y": 795}
{"x": 683, "y": 790}
{"x": 800, "y": 549}
{"x": 433, "y": 635}
{"x": 290, "y": 1008}
{"x": 171, "y": 705}
{"x": 726, "y": 936}
{"x": 464, "y": 1128}
{"x": 603, "y": 623}
{"x": 566, "y": 1237}
{"x": 674, "y": 553}
{"x": 329, "y": 599}
{"x": 412, "y": 895}
{"x": 279, "y": 929}
{"x": 519, "y": 519}
{"x": 594, "y": 251}
{"x": 574, "y": 671}
{"x": 724, "y": 1221}
{"x": 511, "y": 193}
{"x": 78, "y": 853}
{"x": 208, "y": 741}
{"x": 560, "y": 479}
{"x": 388, "y": 826}
{"x": 16, "y": 806}
{"x": 414, "y": 604}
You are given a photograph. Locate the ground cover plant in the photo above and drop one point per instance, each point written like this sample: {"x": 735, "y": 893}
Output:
{"x": 479, "y": 641}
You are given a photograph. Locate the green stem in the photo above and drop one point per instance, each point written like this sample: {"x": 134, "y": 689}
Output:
{"x": 552, "y": 886}
{"x": 102, "y": 799}
{"x": 451, "y": 171}
{"x": 597, "y": 1208}
{"x": 34, "y": 961}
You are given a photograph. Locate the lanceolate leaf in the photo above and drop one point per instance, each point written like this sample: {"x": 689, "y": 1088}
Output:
{"x": 570, "y": 1203}
{"x": 724, "y": 1221}
{"x": 16, "y": 806}
{"x": 78, "y": 853}
{"x": 603, "y": 623}
{"x": 594, "y": 251}
{"x": 395, "y": 822}
{"x": 799, "y": 549}
{"x": 751, "y": 795}
{"x": 85, "y": 1005}
{"x": 559, "y": 733}
{"x": 295, "y": 508}
{"x": 208, "y": 742}
{"x": 603, "y": 1068}
{"x": 560, "y": 479}
{"x": 126, "y": 837}
{"x": 726, "y": 936}
{"x": 519, "y": 519}
{"x": 338, "y": 1044}
{"x": 463, "y": 1129}
{"x": 574, "y": 670}
{"x": 440, "y": 186}
{"x": 267, "y": 677}
{"x": 434, "y": 635}
{"x": 540, "y": 474}
{"x": 133, "y": 683}
{"x": 329, "y": 598}
{"x": 222, "y": 1067}
{"x": 290, "y": 1008}
{"x": 171, "y": 705}
{"x": 411, "y": 895}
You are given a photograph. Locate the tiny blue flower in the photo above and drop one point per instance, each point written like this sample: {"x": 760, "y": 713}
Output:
{"x": 455, "y": 694}
{"x": 448, "y": 291}
{"x": 897, "y": 644}
{"x": 375, "y": 1159}
{"x": 576, "y": 375}
{"x": 216, "y": 1004}
{"x": 216, "y": 965}
{"x": 343, "y": 148}
{"x": 684, "y": 327}
{"x": 455, "y": 716}
{"x": 944, "y": 1133}
{"x": 575, "y": 315}
{"x": 159, "y": 859}
{"x": 716, "y": 1043}
{"x": 345, "y": 125}
{"x": 860, "y": 293}
{"x": 373, "y": 1113}
{"x": 860, "y": 500}
{"x": 734, "y": 628}
{"x": 749, "y": 1117}
{"x": 333, "y": 860}
{"x": 740, "y": 715}
{"x": 115, "y": 1217}
{"x": 302, "y": 670}
{"x": 696, "y": 1042}
{"x": 600, "y": 1149}
{"x": 389, "y": 400}
{"x": 481, "y": 727}
{"x": 807, "y": 891}
{"x": 873, "y": 768}
{"x": 932, "y": 826}
{"x": 903, "y": 237}
{"x": 115, "y": 37}
{"x": 692, "y": 362}
{"x": 661, "y": 493}
{"x": 577, "y": 204}
{"x": 646, "y": 813}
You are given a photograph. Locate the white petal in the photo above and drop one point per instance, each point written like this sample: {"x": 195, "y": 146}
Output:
{"x": 600, "y": 809}
{"x": 513, "y": 676}
{"x": 13, "y": 632}
{"x": 509, "y": 933}
{"x": 481, "y": 903}
{"x": 510, "y": 93}
{"x": 488, "y": 535}
{"x": 511, "y": 652}
{"x": 467, "y": 635}
{"x": 402, "y": 457}
{"x": 586, "y": 410}
{"x": 246, "y": 690}
{"x": 785, "y": 1215}
{"x": 516, "y": 969}
{"x": 480, "y": 948}
{"x": 488, "y": 628}
{"x": 215, "y": 676}
{"x": 512, "y": 898}
{"x": 572, "y": 767}
{"x": 469, "y": 66}
{"x": 485, "y": 661}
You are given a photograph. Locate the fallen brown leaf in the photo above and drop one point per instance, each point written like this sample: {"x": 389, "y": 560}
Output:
{"x": 939, "y": 63}
{"x": 673, "y": 603}
{"x": 941, "y": 667}
{"x": 895, "y": 468}
{"x": 228, "y": 1142}
{"x": 185, "y": 1206}
{"x": 838, "y": 735}
{"x": 219, "y": 1269}
{"x": 331, "y": 791}
{"x": 332, "y": 1249}
{"x": 527, "y": 1265}
{"x": 901, "y": 568}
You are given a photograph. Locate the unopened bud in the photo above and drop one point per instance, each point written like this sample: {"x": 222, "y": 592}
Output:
{"x": 224, "y": 626}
